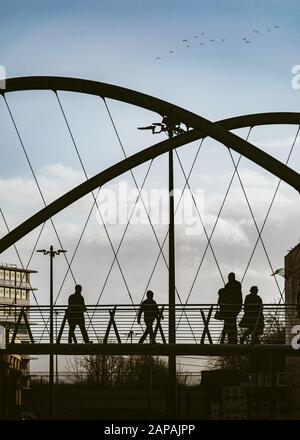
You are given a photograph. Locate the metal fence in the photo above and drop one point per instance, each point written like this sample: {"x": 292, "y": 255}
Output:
{"x": 195, "y": 323}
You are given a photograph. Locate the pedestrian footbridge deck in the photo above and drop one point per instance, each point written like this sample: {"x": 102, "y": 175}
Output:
{"x": 115, "y": 330}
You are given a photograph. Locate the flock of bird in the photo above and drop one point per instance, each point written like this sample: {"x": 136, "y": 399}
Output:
{"x": 202, "y": 35}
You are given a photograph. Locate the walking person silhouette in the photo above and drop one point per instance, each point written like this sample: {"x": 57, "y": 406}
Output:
{"x": 151, "y": 312}
{"x": 75, "y": 315}
{"x": 221, "y": 312}
{"x": 253, "y": 319}
{"x": 232, "y": 298}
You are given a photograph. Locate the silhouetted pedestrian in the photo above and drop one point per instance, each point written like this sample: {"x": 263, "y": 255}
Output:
{"x": 151, "y": 312}
{"x": 75, "y": 315}
{"x": 233, "y": 304}
{"x": 253, "y": 319}
{"x": 221, "y": 312}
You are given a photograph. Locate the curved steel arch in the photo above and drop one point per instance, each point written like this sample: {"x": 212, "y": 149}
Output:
{"x": 282, "y": 171}
{"x": 156, "y": 105}
{"x": 120, "y": 168}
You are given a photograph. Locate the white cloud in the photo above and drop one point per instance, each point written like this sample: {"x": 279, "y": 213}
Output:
{"x": 229, "y": 231}
{"x": 20, "y": 197}
{"x": 277, "y": 143}
{"x": 20, "y": 191}
{"x": 233, "y": 240}
{"x": 57, "y": 179}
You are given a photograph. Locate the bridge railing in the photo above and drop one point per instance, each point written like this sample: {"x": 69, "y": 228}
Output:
{"x": 195, "y": 323}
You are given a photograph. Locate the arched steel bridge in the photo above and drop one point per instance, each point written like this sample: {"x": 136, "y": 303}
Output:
{"x": 199, "y": 128}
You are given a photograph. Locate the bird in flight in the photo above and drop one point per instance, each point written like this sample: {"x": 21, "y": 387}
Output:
{"x": 188, "y": 43}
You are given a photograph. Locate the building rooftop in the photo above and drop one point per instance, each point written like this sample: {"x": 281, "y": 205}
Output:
{"x": 15, "y": 267}
{"x": 296, "y": 249}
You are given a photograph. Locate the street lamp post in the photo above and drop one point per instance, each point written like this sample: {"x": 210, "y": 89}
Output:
{"x": 56, "y": 356}
{"x": 52, "y": 253}
{"x": 171, "y": 127}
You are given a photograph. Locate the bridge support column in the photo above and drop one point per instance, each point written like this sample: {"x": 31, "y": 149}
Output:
{"x": 172, "y": 385}
{"x": 51, "y": 358}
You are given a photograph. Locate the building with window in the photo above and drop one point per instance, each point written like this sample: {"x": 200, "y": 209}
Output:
{"x": 15, "y": 288}
{"x": 15, "y": 285}
{"x": 260, "y": 393}
{"x": 292, "y": 290}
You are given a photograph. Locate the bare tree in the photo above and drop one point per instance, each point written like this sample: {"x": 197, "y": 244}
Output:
{"x": 274, "y": 333}
{"x": 117, "y": 371}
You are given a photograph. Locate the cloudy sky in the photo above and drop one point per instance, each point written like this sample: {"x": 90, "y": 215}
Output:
{"x": 218, "y": 75}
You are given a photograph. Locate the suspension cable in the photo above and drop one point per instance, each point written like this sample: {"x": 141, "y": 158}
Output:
{"x": 138, "y": 189}
{"x": 200, "y": 217}
{"x": 93, "y": 195}
{"x": 135, "y": 182}
{"x": 123, "y": 234}
{"x": 215, "y": 224}
{"x": 272, "y": 201}
{"x": 27, "y": 265}
{"x": 254, "y": 221}
{"x": 266, "y": 218}
{"x": 76, "y": 247}
{"x": 177, "y": 206}
{"x": 167, "y": 233}
{"x": 35, "y": 177}
{"x": 122, "y": 238}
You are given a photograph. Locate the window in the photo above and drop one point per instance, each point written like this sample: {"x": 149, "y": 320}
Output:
{"x": 18, "y": 293}
{"x": 12, "y": 275}
{"x": 263, "y": 380}
{"x": 23, "y": 277}
{"x": 12, "y": 293}
{"x": 23, "y": 294}
{"x": 6, "y": 310}
{"x": 1, "y": 274}
{"x": 1, "y": 292}
{"x": 6, "y": 275}
{"x": 7, "y": 292}
{"x": 17, "y": 311}
{"x": 281, "y": 379}
{"x": 18, "y": 277}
